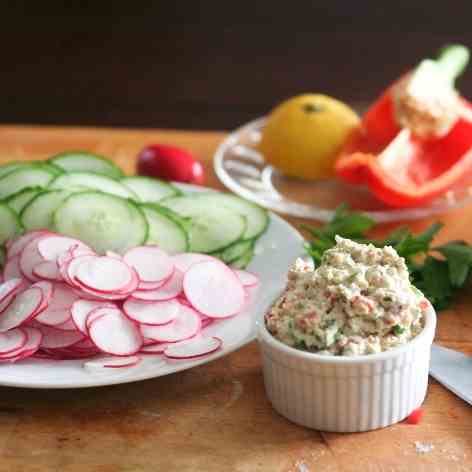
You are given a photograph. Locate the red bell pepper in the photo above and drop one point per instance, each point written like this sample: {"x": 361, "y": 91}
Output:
{"x": 408, "y": 156}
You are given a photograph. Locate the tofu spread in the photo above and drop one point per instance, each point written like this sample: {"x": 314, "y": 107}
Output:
{"x": 358, "y": 301}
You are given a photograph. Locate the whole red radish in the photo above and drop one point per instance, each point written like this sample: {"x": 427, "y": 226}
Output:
{"x": 170, "y": 163}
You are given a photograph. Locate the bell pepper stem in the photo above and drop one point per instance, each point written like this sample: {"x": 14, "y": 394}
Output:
{"x": 452, "y": 60}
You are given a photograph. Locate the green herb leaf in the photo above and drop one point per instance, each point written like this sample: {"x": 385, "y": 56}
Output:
{"x": 459, "y": 259}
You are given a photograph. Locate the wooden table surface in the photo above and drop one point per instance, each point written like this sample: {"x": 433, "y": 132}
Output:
{"x": 215, "y": 417}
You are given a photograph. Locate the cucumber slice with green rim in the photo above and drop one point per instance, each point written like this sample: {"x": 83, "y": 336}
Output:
{"x": 10, "y": 225}
{"x": 24, "y": 177}
{"x": 257, "y": 218}
{"x": 83, "y": 161}
{"x": 11, "y": 166}
{"x": 165, "y": 231}
{"x": 20, "y": 199}
{"x": 243, "y": 261}
{"x": 148, "y": 189}
{"x": 235, "y": 251}
{"x": 90, "y": 181}
{"x": 103, "y": 221}
{"x": 38, "y": 214}
{"x": 213, "y": 227}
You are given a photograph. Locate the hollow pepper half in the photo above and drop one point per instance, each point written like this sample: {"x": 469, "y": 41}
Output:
{"x": 415, "y": 142}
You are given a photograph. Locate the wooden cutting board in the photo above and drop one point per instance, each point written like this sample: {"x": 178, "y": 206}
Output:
{"x": 214, "y": 417}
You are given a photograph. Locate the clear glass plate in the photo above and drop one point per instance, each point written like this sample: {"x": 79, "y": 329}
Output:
{"x": 243, "y": 170}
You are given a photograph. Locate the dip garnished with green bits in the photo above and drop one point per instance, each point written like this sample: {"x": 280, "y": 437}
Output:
{"x": 358, "y": 301}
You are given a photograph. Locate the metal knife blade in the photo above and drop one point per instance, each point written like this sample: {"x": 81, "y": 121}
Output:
{"x": 453, "y": 369}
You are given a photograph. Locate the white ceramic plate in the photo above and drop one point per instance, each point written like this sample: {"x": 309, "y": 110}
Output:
{"x": 275, "y": 252}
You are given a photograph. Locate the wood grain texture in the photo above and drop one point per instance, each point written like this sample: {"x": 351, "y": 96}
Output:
{"x": 215, "y": 417}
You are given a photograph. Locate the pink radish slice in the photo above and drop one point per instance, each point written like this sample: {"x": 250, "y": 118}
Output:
{"x": 151, "y": 313}
{"x": 55, "y": 338}
{"x": 51, "y": 317}
{"x": 184, "y": 261}
{"x": 169, "y": 290}
{"x": 69, "y": 268}
{"x": 47, "y": 270}
{"x": 186, "y": 325}
{"x": 33, "y": 341}
{"x": 104, "y": 274}
{"x": 213, "y": 289}
{"x": 150, "y": 262}
{"x": 21, "y": 309}
{"x": 84, "y": 292}
{"x": 115, "y": 334}
{"x": 52, "y": 246}
{"x": 10, "y": 287}
{"x": 193, "y": 348}
{"x": 29, "y": 259}
{"x": 12, "y": 269}
{"x": 112, "y": 362}
{"x": 81, "y": 309}
{"x": 85, "y": 345}
{"x": 15, "y": 248}
{"x": 12, "y": 340}
{"x": 156, "y": 348}
{"x": 248, "y": 279}
{"x": 206, "y": 321}
{"x": 68, "y": 325}
{"x": 64, "y": 297}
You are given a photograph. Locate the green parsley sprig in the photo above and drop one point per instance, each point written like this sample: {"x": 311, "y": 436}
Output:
{"x": 439, "y": 272}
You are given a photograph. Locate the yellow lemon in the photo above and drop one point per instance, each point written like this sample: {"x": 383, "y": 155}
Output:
{"x": 302, "y": 135}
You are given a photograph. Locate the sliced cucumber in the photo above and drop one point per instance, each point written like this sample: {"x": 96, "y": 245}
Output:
{"x": 243, "y": 261}
{"x": 103, "y": 221}
{"x": 235, "y": 251}
{"x": 165, "y": 231}
{"x": 38, "y": 214}
{"x": 24, "y": 177}
{"x": 91, "y": 181}
{"x": 10, "y": 225}
{"x": 257, "y": 218}
{"x": 20, "y": 199}
{"x": 83, "y": 161}
{"x": 213, "y": 227}
{"x": 15, "y": 165}
{"x": 150, "y": 190}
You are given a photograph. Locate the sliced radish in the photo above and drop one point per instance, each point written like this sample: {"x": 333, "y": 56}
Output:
{"x": 171, "y": 289}
{"x": 151, "y": 313}
{"x": 155, "y": 348}
{"x": 186, "y": 325}
{"x": 85, "y": 345}
{"x": 15, "y": 248}
{"x": 104, "y": 274}
{"x": 48, "y": 270}
{"x": 48, "y": 290}
{"x": 52, "y": 246}
{"x": 64, "y": 297}
{"x": 69, "y": 268}
{"x": 151, "y": 263}
{"x": 51, "y": 317}
{"x": 213, "y": 289}
{"x": 30, "y": 258}
{"x": 112, "y": 362}
{"x": 115, "y": 334}
{"x": 184, "y": 261}
{"x": 33, "y": 341}
{"x": 10, "y": 287}
{"x": 12, "y": 340}
{"x": 193, "y": 348}
{"x": 12, "y": 269}
{"x": 68, "y": 325}
{"x": 248, "y": 279}
{"x": 55, "y": 338}
{"x": 81, "y": 309}
{"x": 23, "y": 308}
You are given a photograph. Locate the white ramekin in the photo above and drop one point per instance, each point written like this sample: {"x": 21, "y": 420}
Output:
{"x": 347, "y": 394}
